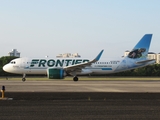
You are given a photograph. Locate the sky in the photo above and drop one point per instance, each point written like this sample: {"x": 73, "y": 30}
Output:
{"x": 37, "y": 28}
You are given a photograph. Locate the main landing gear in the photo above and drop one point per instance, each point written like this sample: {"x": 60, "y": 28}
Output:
{"x": 75, "y": 78}
{"x": 24, "y": 78}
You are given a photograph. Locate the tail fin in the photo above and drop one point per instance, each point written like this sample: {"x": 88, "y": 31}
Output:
{"x": 142, "y": 47}
{"x": 138, "y": 56}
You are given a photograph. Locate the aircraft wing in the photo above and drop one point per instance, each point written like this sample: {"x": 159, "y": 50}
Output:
{"x": 145, "y": 61}
{"x": 79, "y": 67}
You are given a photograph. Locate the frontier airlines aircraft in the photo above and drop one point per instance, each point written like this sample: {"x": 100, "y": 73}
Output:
{"x": 58, "y": 68}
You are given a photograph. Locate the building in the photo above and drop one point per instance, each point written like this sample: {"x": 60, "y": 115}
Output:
{"x": 14, "y": 52}
{"x": 126, "y": 53}
{"x": 68, "y": 55}
{"x": 158, "y": 58}
{"x": 151, "y": 55}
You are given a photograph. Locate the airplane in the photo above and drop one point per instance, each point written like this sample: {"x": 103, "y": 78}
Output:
{"x": 58, "y": 68}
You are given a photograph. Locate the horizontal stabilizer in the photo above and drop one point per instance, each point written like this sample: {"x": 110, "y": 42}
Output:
{"x": 145, "y": 61}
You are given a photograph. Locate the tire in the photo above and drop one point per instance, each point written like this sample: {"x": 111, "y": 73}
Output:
{"x": 23, "y": 79}
{"x": 75, "y": 78}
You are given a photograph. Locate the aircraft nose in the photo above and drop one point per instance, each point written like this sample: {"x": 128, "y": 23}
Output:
{"x": 5, "y": 68}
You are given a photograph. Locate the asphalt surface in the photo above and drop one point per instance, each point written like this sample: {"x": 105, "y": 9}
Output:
{"x": 81, "y": 86}
{"x": 80, "y": 105}
{"x": 87, "y": 100}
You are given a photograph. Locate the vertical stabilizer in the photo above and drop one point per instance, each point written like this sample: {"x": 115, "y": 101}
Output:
{"x": 142, "y": 47}
{"x": 138, "y": 56}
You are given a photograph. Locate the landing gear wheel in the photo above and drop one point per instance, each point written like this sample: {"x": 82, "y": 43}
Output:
{"x": 23, "y": 79}
{"x": 75, "y": 78}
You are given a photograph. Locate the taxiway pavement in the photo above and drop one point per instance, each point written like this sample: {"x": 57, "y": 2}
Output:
{"x": 69, "y": 100}
{"x": 81, "y": 86}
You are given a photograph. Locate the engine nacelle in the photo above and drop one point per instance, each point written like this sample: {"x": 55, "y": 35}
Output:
{"x": 55, "y": 73}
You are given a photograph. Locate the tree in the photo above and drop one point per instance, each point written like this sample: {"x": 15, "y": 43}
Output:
{"x": 4, "y": 60}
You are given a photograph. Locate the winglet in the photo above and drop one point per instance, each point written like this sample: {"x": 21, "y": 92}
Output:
{"x": 83, "y": 65}
{"x": 98, "y": 56}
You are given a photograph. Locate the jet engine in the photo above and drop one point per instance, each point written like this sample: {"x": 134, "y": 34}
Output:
{"x": 55, "y": 73}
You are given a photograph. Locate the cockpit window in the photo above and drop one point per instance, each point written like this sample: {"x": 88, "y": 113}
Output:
{"x": 13, "y": 62}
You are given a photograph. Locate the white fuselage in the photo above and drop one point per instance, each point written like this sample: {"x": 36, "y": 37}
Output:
{"x": 40, "y": 65}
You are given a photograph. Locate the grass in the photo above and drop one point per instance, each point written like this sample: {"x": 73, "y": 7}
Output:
{"x": 83, "y": 78}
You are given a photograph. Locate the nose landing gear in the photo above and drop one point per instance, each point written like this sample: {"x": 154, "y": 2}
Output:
{"x": 24, "y": 78}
